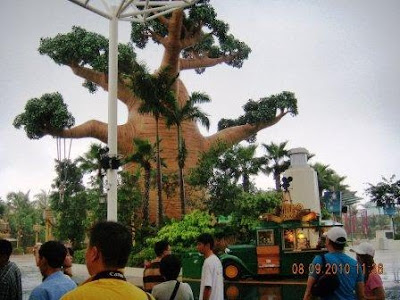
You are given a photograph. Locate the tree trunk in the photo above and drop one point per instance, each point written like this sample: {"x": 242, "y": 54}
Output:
{"x": 160, "y": 218}
{"x": 246, "y": 182}
{"x": 181, "y": 176}
{"x": 144, "y": 126}
{"x": 277, "y": 178}
{"x": 147, "y": 173}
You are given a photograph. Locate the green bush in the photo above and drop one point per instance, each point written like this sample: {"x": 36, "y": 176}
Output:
{"x": 137, "y": 259}
{"x": 180, "y": 234}
{"x": 79, "y": 256}
{"x": 18, "y": 251}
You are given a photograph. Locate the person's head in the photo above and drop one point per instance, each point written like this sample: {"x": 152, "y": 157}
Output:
{"x": 51, "y": 257}
{"x": 336, "y": 238}
{"x": 110, "y": 244}
{"x": 162, "y": 248}
{"x": 68, "y": 258}
{"x": 365, "y": 256}
{"x": 364, "y": 249}
{"x": 170, "y": 266}
{"x": 205, "y": 243}
{"x": 5, "y": 252}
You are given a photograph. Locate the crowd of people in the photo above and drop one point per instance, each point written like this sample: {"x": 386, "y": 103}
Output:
{"x": 107, "y": 255}
{"x": 110, "y": 244}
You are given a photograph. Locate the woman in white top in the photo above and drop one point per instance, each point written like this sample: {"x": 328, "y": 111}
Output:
{"x": 171, "y": 289}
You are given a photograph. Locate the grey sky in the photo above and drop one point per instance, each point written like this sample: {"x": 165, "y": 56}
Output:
{"x": 341, "y": 58}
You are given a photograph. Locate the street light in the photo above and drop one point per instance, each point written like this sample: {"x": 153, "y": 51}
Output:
{"x": 133, "y": 11}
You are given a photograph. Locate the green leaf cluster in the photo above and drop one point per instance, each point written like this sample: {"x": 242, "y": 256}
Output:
{"x": 248, "y": 208}
{"x": 22, "y": 215}
{"x": 44, "y": 115}
{"x": 385, "y": 193}
{"x": 182, "y": 234}
{"x": 154, "y": 90}
{"x": 87, "y": 49}
{"x": 216, "y": 42}
{"x": 78, "y": 47}
{"x": 328, "y": 179}
{"x": 129, "y": 197}
{"x": 263, "y": 110}
{"x": 139, "y": 32}
{"x": 69, "y": 202}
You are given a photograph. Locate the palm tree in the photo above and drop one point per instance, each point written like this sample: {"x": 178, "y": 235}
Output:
{"x": 176, "y": 116}
{"x": 156, "y": 94}
{"x": 42, "y": 200}
{"x": 276, "y": 161}
{"x": 90, "y": 162}
{"x": 144, "y": 155}
{"x": 240, "y": 162}
{"x": 328, "y": 179}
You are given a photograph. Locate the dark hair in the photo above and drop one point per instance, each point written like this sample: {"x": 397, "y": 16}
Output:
{"x": 70, "y": 251}
{"x": 368, "y": 260}
{"x": 170, "y": 266}
{"x": 54, "y": 252}
{"x": 206, "y": 238}
{"x": 114, "y": 241}
{"x": 337, "y": 246}
{"x": 5, "y": 247}
{"x": 160, "y": 247}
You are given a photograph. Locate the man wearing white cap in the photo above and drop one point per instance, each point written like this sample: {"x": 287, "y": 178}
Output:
{"x": 373, "y": 282}
{"x": 351, "y": 284}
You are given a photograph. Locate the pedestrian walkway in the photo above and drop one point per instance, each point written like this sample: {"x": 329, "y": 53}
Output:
{"x": 31, "y": 276}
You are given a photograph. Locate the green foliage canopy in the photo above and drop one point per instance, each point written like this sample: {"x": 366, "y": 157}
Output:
{"x": 263, "y": 110}
{"x": 385, "y": 193}
{"x": 69, "y": 201}
{"x": 22, "y": 215}
{"x": 199, "y": 19}
{"x": 44, "y": 115}
{"x": 248, "y": 208}
{"x": 87, "y": 49}
{"x": 182, "y": 234}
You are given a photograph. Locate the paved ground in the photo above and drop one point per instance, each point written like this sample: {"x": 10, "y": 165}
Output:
{"x": 31, "y": 276}
{"x": 390, "y": 260}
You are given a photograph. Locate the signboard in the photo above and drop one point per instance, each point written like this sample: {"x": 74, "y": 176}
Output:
{"x": 389, "y": 210}
{"x": 332, "y": 201}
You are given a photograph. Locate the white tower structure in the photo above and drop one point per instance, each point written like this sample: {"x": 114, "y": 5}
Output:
{"x": 304, "y": 187}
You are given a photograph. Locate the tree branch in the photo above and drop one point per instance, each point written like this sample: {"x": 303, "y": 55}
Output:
{"x": 96, "y": 77}
{"x": 204, "y": 62}
{"x": 92, "y": 128}
{"x": 235, "y": 134}
{"x": 194, "y": 38}
{"x": 158, "y": 37}
{"x": 163, "y": 20}
{"x": 101, "y": 79}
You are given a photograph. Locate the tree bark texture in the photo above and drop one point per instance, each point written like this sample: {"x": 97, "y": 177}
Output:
{"x": 143, "y": 126}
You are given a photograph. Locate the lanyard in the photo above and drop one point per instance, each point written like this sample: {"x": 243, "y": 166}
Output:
{"x": 109, "y": 275}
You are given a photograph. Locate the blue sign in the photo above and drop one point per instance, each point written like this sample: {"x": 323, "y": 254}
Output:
{"x": 333, "y": 202}
{"x": 389, "y": 211}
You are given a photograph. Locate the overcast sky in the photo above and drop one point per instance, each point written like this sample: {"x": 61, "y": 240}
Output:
{"x": 340, "y": 57}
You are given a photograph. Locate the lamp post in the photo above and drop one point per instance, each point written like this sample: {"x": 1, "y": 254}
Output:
{"x": 133, "y": 11}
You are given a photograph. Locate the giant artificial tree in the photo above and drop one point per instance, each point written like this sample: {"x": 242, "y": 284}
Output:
{"x": 191, "y": 39}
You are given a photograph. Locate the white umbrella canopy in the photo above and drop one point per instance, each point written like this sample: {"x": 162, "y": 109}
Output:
{"x": 133, "y": 10}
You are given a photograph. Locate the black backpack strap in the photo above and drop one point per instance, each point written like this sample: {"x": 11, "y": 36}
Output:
{"x": 323, "y": 269}
{"x": 175, "y": 290}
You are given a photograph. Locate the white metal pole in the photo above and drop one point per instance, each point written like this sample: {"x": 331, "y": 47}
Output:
{"x": 112, "y": 114}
